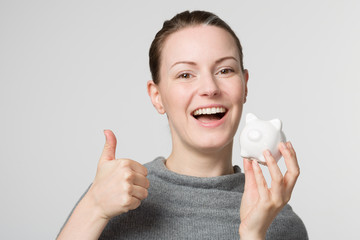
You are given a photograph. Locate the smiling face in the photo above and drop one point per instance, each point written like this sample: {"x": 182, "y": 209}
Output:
{"x": 202, "y": 87}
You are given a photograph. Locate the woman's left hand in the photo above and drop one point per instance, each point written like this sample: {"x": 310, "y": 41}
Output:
{"x": 260, "y": 204}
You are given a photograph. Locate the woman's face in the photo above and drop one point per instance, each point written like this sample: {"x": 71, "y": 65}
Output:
{"x": 202, "y": 88}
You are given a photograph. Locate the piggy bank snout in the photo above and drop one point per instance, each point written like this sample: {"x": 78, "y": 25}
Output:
{"x": 254, "y": 135}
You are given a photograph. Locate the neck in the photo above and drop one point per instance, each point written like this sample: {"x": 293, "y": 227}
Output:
{"x": 194, "y": 162}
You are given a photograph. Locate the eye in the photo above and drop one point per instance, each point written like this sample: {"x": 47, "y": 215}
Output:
{"x": 185, "y": 75}
{"x": 225, "y": 71}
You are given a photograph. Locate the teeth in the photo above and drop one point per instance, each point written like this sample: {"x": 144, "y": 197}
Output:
{"x": 212, "y": 110}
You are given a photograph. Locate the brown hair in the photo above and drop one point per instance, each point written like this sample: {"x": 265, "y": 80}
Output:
{"x": 180, "y": 21}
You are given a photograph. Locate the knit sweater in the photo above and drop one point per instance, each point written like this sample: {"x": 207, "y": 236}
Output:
{"x": 187, "y": 207}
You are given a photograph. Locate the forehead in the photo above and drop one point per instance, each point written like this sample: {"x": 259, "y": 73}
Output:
{"x": 198, "y": 44}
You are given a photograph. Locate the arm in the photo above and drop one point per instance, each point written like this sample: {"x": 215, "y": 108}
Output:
{"x": 119, "y": 186}
{"x": 260, "y": 204}
{"x": 85, "y": 222}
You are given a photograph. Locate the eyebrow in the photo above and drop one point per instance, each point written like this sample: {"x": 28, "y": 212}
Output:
{"x": 183, "y": 62}
{"x": 193, "y": 63}
{"x": 226, "y": 58}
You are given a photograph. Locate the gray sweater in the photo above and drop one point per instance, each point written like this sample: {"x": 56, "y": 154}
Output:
{"x": 185, "y": 207}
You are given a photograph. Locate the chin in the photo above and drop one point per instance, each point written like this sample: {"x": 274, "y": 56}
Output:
{"x": 211, "y": 145}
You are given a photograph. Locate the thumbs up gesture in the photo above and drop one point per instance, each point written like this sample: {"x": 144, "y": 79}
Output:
{"x": 119, "y": 184}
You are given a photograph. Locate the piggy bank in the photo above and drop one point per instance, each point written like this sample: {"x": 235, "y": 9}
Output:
{"x": 259, "y": 135}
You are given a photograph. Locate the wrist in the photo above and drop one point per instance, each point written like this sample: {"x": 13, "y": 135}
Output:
{"x": 246, "y": 234}
{"x": 251, "y": 237}
{"x": 86, "y": 222}
{"x": 90, "y": 205}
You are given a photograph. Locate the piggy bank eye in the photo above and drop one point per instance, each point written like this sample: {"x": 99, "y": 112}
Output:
{"x": 254, "y": 135}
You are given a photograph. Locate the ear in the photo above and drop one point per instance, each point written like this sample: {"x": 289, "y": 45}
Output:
{"x": 246, "y": 78}
{"x": 276, "y": 123}
{"x": 250, "y": 117}
{"x": 153, "y": 91}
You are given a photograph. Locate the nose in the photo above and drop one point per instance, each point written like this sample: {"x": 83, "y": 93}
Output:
{"x": 254, "y": 135}
{"x": 209, "y": 86}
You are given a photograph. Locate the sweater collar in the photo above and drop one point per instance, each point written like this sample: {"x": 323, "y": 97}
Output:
{"x": 230, "y": 182}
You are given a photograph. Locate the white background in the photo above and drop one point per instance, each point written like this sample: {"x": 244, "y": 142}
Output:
{"x": 69, "y": 69}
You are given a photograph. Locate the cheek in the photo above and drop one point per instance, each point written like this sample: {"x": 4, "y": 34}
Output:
{"x": 235, "y": 89}
{"x": 176, "y": 99}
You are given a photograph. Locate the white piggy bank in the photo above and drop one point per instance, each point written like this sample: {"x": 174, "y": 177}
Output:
{"x": 259, "y": 135}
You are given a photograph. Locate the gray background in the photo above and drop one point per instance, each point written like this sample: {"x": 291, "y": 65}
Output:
{"x": 69, "y": 69}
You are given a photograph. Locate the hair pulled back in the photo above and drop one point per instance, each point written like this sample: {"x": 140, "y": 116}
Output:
{"x": 178, "y": 22}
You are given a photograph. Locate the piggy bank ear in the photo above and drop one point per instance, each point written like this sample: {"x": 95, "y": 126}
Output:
{"x": 276, "y": 123}
{"x": 250, "y": 117}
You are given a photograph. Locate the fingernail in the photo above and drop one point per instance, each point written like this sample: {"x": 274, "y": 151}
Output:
{"x": 291, "y": 146}
{"x": 283, "y": 145}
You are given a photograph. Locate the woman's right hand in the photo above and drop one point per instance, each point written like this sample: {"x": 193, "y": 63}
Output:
{"x": 119, "y": 184}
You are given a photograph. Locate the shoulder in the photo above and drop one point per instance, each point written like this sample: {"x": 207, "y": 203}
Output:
{"x": 155, "y": 165}
{"x": 287, "y": 225}
{"x": 156, "y": 162}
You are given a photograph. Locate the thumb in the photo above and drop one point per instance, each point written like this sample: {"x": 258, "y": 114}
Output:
{"x": 109, "y": 147}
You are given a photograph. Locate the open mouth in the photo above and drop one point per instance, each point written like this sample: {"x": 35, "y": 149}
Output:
{"x": 209, "y": 114}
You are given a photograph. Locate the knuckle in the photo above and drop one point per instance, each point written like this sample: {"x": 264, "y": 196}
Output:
{"x": 147, "y": 182}
{"x": 125, "y": 163}
{"x": 108, "y": 147}
{"x": 278, "y": 179}
{"x": 136, "y": 204}
{"x": 270, "y": 159}
{"x": 129, "y": 176}
{"x": 145, "y": 171}
{"x": 146, "y": 193}
{"x": 128, "y": 188}
{"x": 126, "y": 201}
{"x": 264, "y": 200}
{"x": 295, "y": 173}
{"x": 287, "y": 153}
{"x": 293, "y": 155}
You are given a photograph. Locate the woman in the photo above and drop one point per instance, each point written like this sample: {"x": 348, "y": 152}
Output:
{"x": 200, "y": 83}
